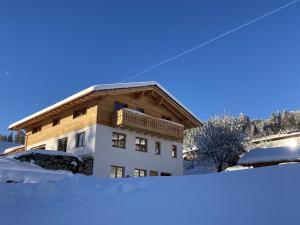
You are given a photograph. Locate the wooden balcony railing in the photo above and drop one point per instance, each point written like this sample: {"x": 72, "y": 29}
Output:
{"x": 147, "y": 124}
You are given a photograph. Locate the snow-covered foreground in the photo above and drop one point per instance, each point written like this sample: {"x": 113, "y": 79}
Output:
{"x": 252, "y": 197}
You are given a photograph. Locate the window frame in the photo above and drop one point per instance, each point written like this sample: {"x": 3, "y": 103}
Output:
{"x": 118, "y": 140}
{"x": 121, "y": 105}
{"x": 139, "y": 109}
{"x": 138, "y": 145}
{"x": 66, "y": 144}
{"x": 155, "y": 148}
{"x": 79, "y": 112}
{"x": 55, "y": 122}
{"x": 151, "y": 173}
{"x": 139, "y": 172}
{"x": 39, "y": 147}
{"x": 80, "y": 143}
{"x": 116, "y": 172}
{"x": 174, "y": 150}
{"x": 36, "y": 129}
{"x": 165, "y": 174}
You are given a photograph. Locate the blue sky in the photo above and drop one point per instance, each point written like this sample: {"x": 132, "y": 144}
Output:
{"x": 52, "y": 49}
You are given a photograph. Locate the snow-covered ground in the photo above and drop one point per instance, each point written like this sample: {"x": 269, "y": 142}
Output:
{"x": 264, "y": 196}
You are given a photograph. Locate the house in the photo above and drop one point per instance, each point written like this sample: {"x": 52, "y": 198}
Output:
{"x": 133, "y": 129}
{"x": 291, "y": 139}
{"x": 260, "y": 157}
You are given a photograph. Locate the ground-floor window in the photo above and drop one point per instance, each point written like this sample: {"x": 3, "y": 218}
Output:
{"x": 153, "y": 173}
{"x": 117, "y": 171}
{"x": 139, "y": 173}
{"x": 62, "y": 144}
{"x": 164, "y": 174}
{"x": 40, "y": 147}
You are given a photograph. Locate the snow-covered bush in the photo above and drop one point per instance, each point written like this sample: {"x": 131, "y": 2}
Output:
{"x": 222, "y": 139}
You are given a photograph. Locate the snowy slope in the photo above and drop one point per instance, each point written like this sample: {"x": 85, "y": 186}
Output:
{"x": 265, "y": 196}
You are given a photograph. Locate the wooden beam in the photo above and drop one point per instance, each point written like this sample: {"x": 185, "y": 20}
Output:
{"x": 138, "y": 95}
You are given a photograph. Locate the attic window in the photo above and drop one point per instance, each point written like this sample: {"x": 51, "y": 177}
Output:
{"x": 141, "y": 110}
{"x": 36, "y": 129}
{"x": 166, "y": 118}
{"x": 120, "y": 105}
{"x": 78, "y": 113}
{"x": 56, "y": 122}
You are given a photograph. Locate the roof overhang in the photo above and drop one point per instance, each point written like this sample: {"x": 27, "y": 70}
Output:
{"x": 103, "y": 90}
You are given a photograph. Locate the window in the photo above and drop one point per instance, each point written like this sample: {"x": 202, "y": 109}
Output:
{"x": 157, "y": 148}
{"x": 141, "y": 144}
{"x": 174, "y": 151}
{"x": 119, "y": 140}
{"x": 139, "y": 173}
{"x": 62, "y": 144}
{"x": 166, "y": 118}
{"x": 140, "y": 110}
{"x": 36, "y": 129}
{"x": 79, "y": 112}
{"x": 55, "y": 122}
{"x": 117, "y": 172}
{"x": 40, "y": 147}
{"x": 120, "y": 105}
{"x": 164, "y": 174}
{"x": 80, "y": 139}
{"x": 153, "y": 173}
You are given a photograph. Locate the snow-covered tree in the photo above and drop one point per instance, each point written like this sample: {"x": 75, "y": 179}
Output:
{"x": 221, "y": 138}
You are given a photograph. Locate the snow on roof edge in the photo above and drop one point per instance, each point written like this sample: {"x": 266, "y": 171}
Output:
{"x": 100, "y": 87}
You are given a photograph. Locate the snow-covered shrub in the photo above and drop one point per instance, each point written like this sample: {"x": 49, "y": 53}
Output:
{"x": 221, "y": 139}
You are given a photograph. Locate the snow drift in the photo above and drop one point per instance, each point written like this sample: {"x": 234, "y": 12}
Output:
{"x": 260, "y": 196}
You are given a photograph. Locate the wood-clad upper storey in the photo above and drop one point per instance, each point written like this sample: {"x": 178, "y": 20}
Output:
{"x": 99, "y": 106}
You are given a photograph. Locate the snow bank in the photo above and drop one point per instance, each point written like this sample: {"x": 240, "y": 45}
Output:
{"x": 263, "y": 196}
{"x": 278, "y": 154}
{"x": 16, "y": 171}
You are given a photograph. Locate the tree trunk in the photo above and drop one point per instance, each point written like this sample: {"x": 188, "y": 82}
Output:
{"x": 220, "y": 168}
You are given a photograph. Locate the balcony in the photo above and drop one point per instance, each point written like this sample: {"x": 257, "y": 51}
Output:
{"x": 130, "y": 119}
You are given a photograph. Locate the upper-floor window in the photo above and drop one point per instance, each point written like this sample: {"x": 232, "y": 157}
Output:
{"x": 166, "y": 118}
{"x": 36, "y": 129}
{"x": 117, "y": 172}
{"x": 80, "y": 139}
{"x": 174, "y": 151}
{"x": 62, "y": 144}
{"x": 55, "y": 122}
{"x": 139, "y": 173}
{"x": 141, "y": 144}
{"x": 141, "y": 110}
{"x": 79, "y": 112}
{"x": 40, "y": 147}
{"x": 119, "y": 140}
{"x": 120, "y": 105}
{"x": 157, "y": 148}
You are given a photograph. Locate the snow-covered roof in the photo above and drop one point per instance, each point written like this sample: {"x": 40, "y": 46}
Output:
{"x": 5, "y": 145}
{"x": 43, "y": 152}
{"x": 274, "y": 154}
{"x": 101, "y": 87}
{"x": 276, "y": 136}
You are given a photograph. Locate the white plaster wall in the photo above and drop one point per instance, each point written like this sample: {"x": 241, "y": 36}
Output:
{"x": 90, "y": 140}
{"x": 105, "y": 155}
